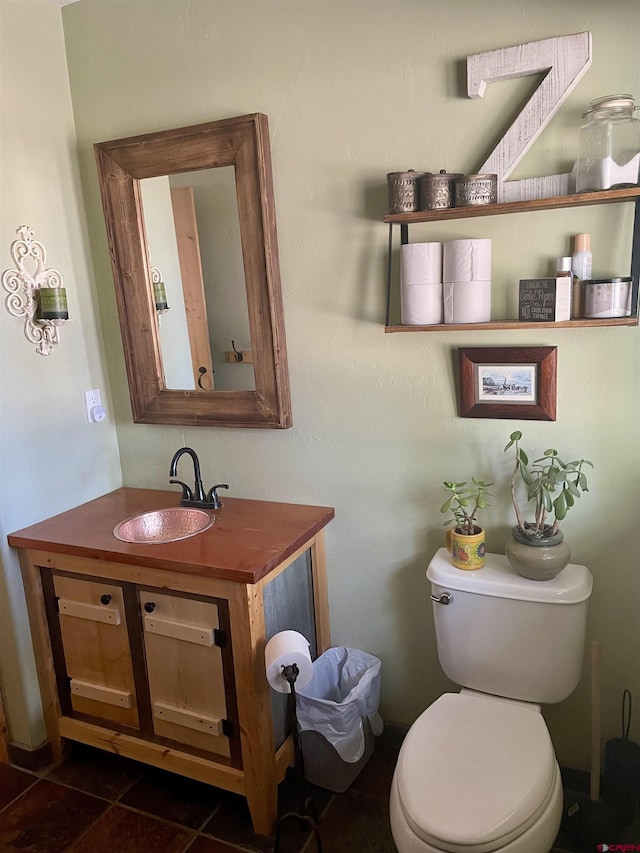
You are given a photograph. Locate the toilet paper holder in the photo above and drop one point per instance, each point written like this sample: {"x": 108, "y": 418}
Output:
{"x": 307, "y": 813}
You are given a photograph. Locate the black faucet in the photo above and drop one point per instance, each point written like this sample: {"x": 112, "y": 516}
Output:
{"x": 195, "y": 496}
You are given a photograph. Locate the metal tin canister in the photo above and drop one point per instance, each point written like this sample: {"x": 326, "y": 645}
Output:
{"x": 403, "y": 191}
{"x": 476, "y": 189}
{"x": 437, "y": 191}
{"x": 607, "y": 297}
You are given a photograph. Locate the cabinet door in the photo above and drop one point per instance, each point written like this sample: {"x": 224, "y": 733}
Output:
{"x": 185, "y": 670}
{"x": 97, "y": 656}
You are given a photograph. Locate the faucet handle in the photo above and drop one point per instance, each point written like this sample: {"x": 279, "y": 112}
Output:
{"x": 213, "y": 498}
{"x": 187, "y": 494}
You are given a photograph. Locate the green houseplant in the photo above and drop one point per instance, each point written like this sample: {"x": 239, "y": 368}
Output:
{"x": 466, "y": 540}
{"x": 553, "y": 486}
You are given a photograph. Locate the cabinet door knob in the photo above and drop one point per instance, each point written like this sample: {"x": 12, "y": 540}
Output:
{"x": 105, "y": 599}
{"x": 149, "y": 606}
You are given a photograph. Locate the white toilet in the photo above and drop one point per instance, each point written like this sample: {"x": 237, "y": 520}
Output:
{"x": 477, "y": 771}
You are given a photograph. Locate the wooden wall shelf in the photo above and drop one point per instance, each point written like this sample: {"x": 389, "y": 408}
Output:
{"x": 502, "y": 325}
{"x": 473, "y": 211}
{"x": 629, "y": 194}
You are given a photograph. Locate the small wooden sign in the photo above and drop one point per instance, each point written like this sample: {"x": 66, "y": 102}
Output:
{"x": 537, "y": 300}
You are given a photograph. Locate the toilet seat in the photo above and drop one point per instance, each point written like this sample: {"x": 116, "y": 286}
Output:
{"x": 475, "y": 772}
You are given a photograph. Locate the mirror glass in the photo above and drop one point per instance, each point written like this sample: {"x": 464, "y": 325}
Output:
{"x": 190, "y": 220}
{"x": 193, "y": 235}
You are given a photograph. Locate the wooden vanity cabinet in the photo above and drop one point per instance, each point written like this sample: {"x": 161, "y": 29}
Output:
{"x": 157, "y": 652}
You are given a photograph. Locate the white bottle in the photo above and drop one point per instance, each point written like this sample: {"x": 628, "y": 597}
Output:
{"x": 582, "y": 260}
{"x": 564, "y": 290}
{"x": 581, "y": 265}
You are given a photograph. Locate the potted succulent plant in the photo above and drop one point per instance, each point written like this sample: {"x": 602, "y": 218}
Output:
{"x": 466, "y": 540}
{"x": 538, "y": 550}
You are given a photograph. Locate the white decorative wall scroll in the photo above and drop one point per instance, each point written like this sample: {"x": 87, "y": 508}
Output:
{"x": 565, "y": 59}
{"x": 37, "y": 296}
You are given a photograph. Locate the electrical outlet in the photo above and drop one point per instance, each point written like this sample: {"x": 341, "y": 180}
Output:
{"x": 93, "y": 403}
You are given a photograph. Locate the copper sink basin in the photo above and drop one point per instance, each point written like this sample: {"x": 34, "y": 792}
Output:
{"x": 163, "y": 525}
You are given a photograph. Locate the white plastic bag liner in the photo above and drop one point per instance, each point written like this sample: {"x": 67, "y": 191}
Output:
{"x": 344, "y": 688}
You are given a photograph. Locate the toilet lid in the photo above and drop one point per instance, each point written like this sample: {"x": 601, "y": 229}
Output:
{"x": 475, "y": 772}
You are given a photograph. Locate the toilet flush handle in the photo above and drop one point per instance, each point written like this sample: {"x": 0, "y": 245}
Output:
{"x": 445, "y": 598}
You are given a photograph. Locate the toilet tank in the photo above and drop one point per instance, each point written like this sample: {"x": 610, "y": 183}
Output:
{"x": 509, "y": 636}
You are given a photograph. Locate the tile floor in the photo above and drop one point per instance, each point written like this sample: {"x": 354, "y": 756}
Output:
{"x": 97, "y": 802}
{"x": 100, "y": 803}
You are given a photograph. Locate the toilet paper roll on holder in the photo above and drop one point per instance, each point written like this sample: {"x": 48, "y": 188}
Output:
{"x": 307, "y": 813}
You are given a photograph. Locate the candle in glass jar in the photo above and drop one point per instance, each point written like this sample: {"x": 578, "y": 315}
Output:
{"x": 160, "y": 296}
{"x": 53, "y": 303}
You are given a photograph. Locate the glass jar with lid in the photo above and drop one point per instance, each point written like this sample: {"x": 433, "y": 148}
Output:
{"x": 609, "y": 145}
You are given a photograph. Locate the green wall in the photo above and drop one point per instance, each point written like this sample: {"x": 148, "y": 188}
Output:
{"x": 51, "y": 458}
{"x": 354, "y": 90}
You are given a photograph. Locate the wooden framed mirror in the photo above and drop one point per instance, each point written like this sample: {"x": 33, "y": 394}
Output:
{"x": 182, "y": 156}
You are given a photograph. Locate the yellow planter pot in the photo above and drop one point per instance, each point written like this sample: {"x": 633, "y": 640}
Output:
{"x": 467, "y": 552}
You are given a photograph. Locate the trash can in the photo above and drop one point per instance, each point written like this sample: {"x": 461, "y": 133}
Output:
{"x": 338, "y": 716}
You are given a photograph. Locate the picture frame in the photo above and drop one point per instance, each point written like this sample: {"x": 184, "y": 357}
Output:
{"x": 508, "y": 382}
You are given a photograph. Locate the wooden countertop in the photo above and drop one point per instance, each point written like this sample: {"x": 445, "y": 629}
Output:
{"x": 248, "y": 539}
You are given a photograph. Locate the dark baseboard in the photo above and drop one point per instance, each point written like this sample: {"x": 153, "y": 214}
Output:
{"x": 29, "y": 757}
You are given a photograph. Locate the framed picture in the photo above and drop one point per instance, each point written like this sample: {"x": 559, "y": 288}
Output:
{"x": 508, "y": 382}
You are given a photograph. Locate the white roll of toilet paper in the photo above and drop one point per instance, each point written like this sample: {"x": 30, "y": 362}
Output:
{"x": 421, "y": 304}
{"x": 421, "y": 263}
{"x": 467, "y": 301}
{"x": 285, "y": 649}
{"x": 467, "y": 260}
